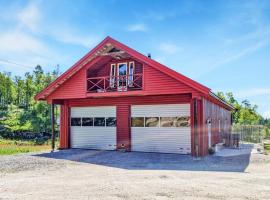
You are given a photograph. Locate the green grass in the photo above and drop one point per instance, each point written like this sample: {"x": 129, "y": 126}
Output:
{"x": 9, "y": 147}
{"x": 267, "y": 148}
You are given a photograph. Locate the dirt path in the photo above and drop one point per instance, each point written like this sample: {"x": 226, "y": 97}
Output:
{"x": 51, "y": 178}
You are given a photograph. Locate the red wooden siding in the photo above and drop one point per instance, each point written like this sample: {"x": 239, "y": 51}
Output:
{"x": 123, "y": 126}
{"x": 156, "y": 82}
{"x": 64, "y": 126}
{"x": 123, "y": 112}
{"x": 215, "y": 113}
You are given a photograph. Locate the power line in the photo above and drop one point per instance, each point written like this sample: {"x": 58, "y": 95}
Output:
{"x": 15, "y": 63}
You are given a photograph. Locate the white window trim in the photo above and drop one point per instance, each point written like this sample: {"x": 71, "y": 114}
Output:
{"x": 112, "y": 75}
{"x": 131, "y": 76}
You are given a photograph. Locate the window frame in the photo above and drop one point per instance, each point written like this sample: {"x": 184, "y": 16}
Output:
{"x": 131, "y": 76}
{"x": 113, "y": 75}
{"x": 118, "y": 75}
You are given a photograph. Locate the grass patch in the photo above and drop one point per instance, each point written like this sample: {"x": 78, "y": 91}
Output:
{"x": 9, "y": 147}
{"x": 267, "y": 148}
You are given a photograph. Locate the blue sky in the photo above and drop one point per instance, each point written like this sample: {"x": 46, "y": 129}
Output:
{"x": 225, "y": 45}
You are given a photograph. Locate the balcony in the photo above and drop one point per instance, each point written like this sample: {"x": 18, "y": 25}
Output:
{"x": 121, "y": 83}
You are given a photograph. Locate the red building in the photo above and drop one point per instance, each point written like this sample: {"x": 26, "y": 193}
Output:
{"x": 116, "y": 98}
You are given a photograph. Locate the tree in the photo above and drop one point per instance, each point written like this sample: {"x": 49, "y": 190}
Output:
{"x": 244, "y": 112}
{"x": 19, "y": 110}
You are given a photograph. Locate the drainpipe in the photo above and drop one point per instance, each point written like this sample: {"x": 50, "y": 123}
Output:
{"x": 53, "y": 127}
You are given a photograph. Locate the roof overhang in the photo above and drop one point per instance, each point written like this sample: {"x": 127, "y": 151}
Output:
{"x": 222, "y": 101}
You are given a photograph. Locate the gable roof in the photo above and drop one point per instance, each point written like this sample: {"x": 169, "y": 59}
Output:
{"x": 101, "y": 47}
{"x": 109, "y": 44}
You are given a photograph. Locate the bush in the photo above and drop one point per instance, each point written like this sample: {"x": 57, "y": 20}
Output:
{"x": 211, "y": 150}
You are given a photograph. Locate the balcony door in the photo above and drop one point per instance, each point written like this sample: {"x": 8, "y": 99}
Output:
{"x": 122, "y": 76}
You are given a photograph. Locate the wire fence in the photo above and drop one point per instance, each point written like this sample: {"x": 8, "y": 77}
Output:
{"x": 249, "y": 133}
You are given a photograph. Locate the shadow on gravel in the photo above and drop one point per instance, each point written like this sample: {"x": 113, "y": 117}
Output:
{"x": 152, "y": 161}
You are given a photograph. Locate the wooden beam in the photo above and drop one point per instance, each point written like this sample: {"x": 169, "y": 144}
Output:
{"x": 53, "y": 126}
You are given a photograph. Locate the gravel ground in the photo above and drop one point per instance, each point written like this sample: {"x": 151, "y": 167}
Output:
{"x": 88, "y": 174}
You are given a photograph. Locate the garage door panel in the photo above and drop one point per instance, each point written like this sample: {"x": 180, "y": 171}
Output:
{"x": 161, "y": 139}
{"x": 93, "y": 137}
{"x": 101, "y": 111}
{"x": 166, "y": 110}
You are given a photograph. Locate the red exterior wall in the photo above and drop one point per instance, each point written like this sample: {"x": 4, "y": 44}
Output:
{"x": 158, "y": 88}
{"x": 123, "y": 113}
{"x": 214, "y": 113}
{"x": 64, "y": 126}
{"x": 123, "y": 134}
{"x": 155, "y": 82}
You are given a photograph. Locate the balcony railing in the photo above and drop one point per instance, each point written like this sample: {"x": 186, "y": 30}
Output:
{"x": 121, "y": 83}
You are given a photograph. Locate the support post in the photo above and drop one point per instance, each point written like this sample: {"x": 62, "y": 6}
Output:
{"x": 196, "y": 131}
{"x": 53, "y": 127}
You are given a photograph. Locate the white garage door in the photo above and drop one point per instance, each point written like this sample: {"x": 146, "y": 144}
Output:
{"x": 161, "y": 128}
{"x": 93, "y": 127}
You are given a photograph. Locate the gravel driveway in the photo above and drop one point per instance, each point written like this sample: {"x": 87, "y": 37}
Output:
{"x": 89, "y": 174}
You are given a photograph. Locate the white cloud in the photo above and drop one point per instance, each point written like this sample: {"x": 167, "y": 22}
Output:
{"x": 252, "y": 92}
{"x": 17, "y": 41}
{"x": 168, "y": 48}
{"x": 137, "y": 27}
{"x": 23, "y": 52}
{"x": 68, "y": 35}
{"x": 30, "y": 16}
{"x": 266, "y": 114}
{"x": 22, "y": 47}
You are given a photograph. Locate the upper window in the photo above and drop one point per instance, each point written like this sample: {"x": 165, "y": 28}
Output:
{"x": 113, "y": 76}
{"x": 122, "y": 76}
{"x": 130, "y": 74}
{"x": 76, "y": 121}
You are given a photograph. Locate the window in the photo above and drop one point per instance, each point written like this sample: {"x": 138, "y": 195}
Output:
{"x": 175, "y": 121}
{"x": 182, "y": 122}
{"x": 152, "y": 121}
{"x": 87, "y": 121}
{"x": 112, "y": 76}
{"x": 99, "y": 121}
{"x": 76, "y": 121}
{"x": 137, "y": 121}
{"x": 167, "y": 121}
{"x": 219, "y": 126}
{"x": 130, "y": 75}
{"x": 122, "y": 74}
{"x": 111, "y": 121}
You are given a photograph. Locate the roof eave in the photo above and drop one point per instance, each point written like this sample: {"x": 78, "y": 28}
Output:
{"x": 231, "y": 107}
